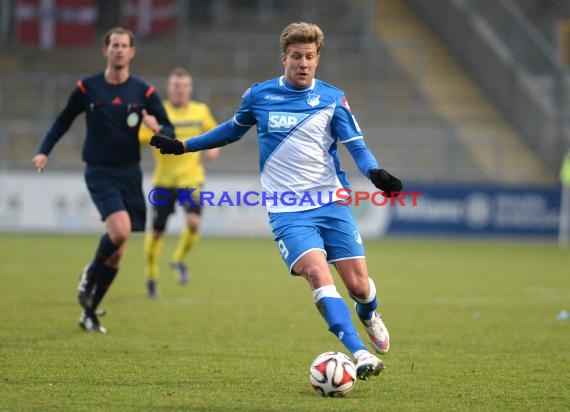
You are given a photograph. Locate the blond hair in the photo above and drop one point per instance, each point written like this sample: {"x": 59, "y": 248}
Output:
{"x": 180, "y": 72}
{"x": 302, "y": 33}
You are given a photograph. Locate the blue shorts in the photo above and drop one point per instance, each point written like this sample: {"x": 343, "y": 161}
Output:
{"x": 114, "y": 188}
{"x": 331, "y": 228}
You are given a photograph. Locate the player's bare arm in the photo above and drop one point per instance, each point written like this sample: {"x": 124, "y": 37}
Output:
{"x": 211, "y": 154}
{"x": 150, "y": 121}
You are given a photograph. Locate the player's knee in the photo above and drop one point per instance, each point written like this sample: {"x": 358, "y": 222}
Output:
{"x": 119, "y": 236}
{"x": 119, "y": 227}
{"x": 359, "y": 287}
{"x": 193, "y": 222}
{"x": 316, "y": 274}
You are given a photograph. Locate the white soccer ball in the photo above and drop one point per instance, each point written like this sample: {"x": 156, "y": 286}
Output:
{"x": 332, "y": 374}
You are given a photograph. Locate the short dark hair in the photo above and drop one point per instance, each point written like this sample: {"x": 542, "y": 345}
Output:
{"x": 118, "y": 30}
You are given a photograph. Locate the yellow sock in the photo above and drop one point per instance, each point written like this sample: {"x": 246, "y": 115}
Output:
{"x": 152, "y": 251}
{"x": 186, "y": 242}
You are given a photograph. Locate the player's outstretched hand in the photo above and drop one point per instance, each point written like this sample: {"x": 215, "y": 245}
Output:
{"x": 385, "y": 181}
{"x": 167, "y": 145}
{"x": 40, "y": 161}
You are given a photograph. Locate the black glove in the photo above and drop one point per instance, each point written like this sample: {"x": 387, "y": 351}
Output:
{"x": 385, "y": 181}
{"x": 167, "y": 145}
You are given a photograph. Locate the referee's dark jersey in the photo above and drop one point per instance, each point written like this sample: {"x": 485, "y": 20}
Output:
{"x": 113, "y": 114}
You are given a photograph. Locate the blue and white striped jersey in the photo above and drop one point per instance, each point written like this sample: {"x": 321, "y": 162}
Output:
{"x": 298, "y": 133}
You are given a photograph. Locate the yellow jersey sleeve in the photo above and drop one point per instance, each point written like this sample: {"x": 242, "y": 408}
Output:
{"x": 145, "y": 134}
{"x": 209, "y": 122}
{"x": 184, "y": 171}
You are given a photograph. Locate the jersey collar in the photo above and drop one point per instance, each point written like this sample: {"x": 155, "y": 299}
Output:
{"x": 290, "y": 87}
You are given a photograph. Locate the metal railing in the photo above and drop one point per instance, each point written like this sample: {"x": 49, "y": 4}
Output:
{"x": 513, "y": 63}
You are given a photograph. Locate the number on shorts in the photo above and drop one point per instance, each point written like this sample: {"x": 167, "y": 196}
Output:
{"x": 283, "y": 249}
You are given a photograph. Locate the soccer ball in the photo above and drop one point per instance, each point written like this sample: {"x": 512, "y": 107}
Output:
{"x": 332, "y": 374}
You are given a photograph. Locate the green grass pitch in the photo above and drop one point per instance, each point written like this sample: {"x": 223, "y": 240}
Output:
{"x": 472, "y": 325}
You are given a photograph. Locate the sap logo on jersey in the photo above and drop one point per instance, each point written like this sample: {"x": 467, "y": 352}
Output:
{"x": 284, "y": 121}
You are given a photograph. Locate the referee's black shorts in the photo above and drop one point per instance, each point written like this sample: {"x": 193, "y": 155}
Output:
{"x": 114, "y": 188}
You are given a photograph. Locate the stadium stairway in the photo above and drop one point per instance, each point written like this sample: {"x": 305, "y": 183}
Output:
{"x": 492, "y": 142}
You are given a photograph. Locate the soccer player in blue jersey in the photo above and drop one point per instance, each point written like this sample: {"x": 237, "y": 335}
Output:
{"x": 115, "y": 103}
{"x": 300, "y": 122}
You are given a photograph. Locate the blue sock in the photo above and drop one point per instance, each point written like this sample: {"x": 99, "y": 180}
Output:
{"x": 365, "y": 310}
{"x": 365, "y": 307}
{"x": 336, "y": 314}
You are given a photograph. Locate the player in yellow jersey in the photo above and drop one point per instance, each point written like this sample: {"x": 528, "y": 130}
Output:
{"x": 190, "y": 118}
